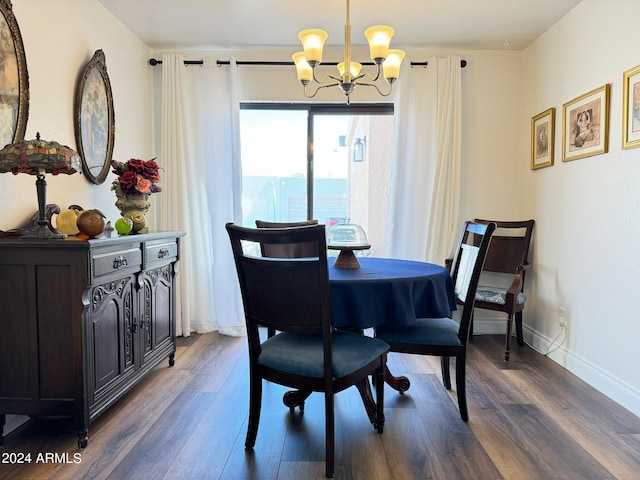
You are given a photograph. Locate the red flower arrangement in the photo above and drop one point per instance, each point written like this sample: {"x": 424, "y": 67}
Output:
{"x": 137, "y": 177}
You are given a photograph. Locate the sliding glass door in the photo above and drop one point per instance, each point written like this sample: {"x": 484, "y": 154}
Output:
{"x": 324, "y": 162}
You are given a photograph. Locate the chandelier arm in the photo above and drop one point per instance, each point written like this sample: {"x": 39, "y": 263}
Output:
{"x": 378, "y": 72}
{"x": 326, "y": 78}
{"x": 320, "y": 87}
{"x": 374, "y": 85}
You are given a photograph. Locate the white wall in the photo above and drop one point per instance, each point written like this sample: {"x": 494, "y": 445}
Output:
{"x": 586, "y": 257}
{"x": 59, "y": 39}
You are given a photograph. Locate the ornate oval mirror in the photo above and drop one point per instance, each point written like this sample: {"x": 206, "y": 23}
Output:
{"x": 14, "y": 79}
{"x": 94, "y": 121}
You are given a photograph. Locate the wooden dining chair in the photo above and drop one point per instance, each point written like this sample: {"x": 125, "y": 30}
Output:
{"x": 502, "y": 290}
{"x": 446, "y": 337}
{"x": 291, "y": 295}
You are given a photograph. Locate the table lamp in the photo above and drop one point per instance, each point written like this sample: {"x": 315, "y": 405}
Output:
{"x": 37, "y": 157}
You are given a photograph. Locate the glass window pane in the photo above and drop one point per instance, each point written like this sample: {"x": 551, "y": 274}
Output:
{"x": 352, "y": 173}
{"x": 274, "y": 165}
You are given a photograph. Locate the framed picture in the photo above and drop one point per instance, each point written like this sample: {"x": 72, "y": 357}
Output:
{"x": 543, "y": 139}
{"x": 94, "y": 123}
{"x": 585, "y": 125}
{"x": 631, "y": 108}
{"x": 14, "y": 79}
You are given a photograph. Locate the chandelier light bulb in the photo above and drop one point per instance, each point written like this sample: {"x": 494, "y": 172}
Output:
{"x": 391, "y": 66}
{"x": 304, "y": 70}
{"x": 313, "y": 42}
{"x": 354, "y": 69}
{"x": 379, "y": 38}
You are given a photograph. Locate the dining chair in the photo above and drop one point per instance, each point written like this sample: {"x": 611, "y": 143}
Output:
{"x": 502, "y": 289}
{"x": 446, "y": 337}
{"x": 291, "y": 295}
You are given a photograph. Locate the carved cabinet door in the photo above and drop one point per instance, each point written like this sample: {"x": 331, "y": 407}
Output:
{"x": 157, "y": 307}
{"x": 113, "y": 326}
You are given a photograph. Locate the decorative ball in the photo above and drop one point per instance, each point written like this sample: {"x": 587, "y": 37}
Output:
{"x": 139, "y": 220}
{"x": 90, "y": 222}
{"x": 124, "y": 225}
{"x": 66, "y": 222}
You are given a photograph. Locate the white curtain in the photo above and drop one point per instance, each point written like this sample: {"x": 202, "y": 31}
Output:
{"x": 426, "y": 161}
{"x": 201, "y": 181}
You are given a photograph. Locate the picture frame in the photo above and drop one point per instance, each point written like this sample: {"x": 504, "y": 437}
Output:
{"x": 14, "y": 79}
{"x": 94, "y": 121}
{"x": 585, "y": 125}
{"x": 543, "y": 139}
{"x": 631, "y": 108}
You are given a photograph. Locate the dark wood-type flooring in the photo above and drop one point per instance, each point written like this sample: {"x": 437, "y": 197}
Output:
{"x": 529, "y": 419}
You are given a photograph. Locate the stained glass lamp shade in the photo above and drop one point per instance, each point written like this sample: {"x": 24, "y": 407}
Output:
{"x": 37, "y": 157}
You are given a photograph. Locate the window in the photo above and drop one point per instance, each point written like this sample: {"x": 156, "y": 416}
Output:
{"x": 324, "y": 162}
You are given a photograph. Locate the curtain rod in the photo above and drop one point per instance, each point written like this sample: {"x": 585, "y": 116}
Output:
{"x": 153, "y": 62}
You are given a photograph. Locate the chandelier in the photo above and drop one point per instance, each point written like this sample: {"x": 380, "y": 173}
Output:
{"x": 387, "y": 61}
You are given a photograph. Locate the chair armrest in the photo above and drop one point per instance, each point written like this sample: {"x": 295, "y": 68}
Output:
{"x": 517, "y": 285}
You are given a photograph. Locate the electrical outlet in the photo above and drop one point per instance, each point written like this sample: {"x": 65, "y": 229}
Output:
{"x": 562, "y": 317}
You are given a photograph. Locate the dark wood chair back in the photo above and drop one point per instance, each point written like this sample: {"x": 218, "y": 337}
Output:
{"x": 467, "y": 267}
{"x": 509, "y": 245}
{"x": 284, "y": 250}
{"x": 285, "y": 295}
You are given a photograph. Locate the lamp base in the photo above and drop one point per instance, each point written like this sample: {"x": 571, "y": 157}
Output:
{"x": 41, "y": 231}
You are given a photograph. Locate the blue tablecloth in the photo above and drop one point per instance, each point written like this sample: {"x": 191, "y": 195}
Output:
{"x": 387, "y": 290}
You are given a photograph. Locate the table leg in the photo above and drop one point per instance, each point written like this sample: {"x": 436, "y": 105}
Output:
{"x": 295, "y": 398}
{"x": 401, "y": 383}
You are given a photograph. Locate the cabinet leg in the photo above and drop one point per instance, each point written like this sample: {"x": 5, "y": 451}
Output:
{"x": 83, "y": 438}
{"x": 172, "y": 359}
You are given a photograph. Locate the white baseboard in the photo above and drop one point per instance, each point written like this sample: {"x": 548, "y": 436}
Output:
{"x": 601, "y": 380}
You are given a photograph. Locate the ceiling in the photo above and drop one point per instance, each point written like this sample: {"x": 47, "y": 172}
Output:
{"x": 274, "y": 24}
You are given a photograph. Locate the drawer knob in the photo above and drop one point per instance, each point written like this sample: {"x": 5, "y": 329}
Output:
{"x": 119, "y": 262}
{"x": 163, "y": 252}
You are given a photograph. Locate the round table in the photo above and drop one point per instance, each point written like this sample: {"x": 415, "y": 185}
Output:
{"x": 387, "y": 290}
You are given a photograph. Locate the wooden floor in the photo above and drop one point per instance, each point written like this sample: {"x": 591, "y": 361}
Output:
{"x": 529, "y": 419}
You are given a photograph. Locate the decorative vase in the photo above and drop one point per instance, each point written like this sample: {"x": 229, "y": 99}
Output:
{"x": 133, "y": 206}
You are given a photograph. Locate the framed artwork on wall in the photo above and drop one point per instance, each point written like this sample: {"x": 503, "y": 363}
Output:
{"x": 94, "y": 121}
{"x": 543, "y": 139}
{"x": 585, "y": 125}
{"x": 631, "y": 108}
{"x": 14, "y": 79}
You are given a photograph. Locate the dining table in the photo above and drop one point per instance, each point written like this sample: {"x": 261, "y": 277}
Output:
{"x": 385, "y": 291}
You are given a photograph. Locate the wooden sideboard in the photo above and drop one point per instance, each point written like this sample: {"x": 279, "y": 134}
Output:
{"x": 82, "y": 321}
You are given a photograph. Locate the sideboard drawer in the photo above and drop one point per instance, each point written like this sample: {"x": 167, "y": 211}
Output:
{"x": 161, "y": 252}
{"x": 116, "y": 261}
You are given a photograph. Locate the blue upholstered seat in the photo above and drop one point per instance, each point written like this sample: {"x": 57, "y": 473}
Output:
{"x": 424, "y": 331}
{"x": 303, "y": 354}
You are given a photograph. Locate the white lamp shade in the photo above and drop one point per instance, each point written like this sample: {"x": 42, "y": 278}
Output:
{"x": 391, "y": 66}
{"x": 354, "y": 70}
{"x": 313, "y": 42}
{"x": 303, "y": 69}
{"x": 379, "y": 38}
